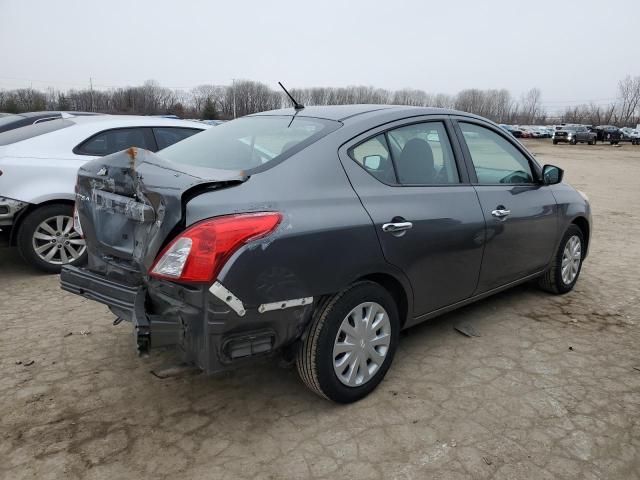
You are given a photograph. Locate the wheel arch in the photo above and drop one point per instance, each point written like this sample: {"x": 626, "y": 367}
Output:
{"x": 583, "y": 224}
{"x": 25, "y": 212}
{"x": 396, "y": 289}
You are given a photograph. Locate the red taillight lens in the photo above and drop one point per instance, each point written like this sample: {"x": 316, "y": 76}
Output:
{"x": 198, "y": 253}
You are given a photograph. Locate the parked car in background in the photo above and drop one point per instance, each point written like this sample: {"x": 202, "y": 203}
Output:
{"x": 38, "y": 167}
{"x": 10, "y": 122}
{"x": 609, "y": 133}
{"x": 517, "y": 133}
{"x": 409, "y": 212}
{"x": 574, "y": 134}
{"x": 630, "y": 135}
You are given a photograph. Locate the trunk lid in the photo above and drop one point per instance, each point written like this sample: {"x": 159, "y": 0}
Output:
{"x": 131, "y": 202}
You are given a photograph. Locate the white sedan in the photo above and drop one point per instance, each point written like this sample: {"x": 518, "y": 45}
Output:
{"x": 38, "y": 167}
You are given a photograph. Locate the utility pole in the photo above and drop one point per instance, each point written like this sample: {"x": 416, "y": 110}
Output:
{"x": 233, "y": 86}
{"x": 91, "y": 90}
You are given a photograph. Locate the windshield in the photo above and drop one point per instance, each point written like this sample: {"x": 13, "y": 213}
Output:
{"x": 249, "y": 143}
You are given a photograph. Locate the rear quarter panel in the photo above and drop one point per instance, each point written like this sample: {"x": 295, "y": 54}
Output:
{"x": 325, "y": 241}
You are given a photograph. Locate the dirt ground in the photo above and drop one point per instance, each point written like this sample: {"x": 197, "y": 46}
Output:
{"x": 550, "y": 390}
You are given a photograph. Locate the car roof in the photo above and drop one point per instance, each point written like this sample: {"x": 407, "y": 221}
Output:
{"x": 345, "y": 112}
{"x": 116, "y": 121}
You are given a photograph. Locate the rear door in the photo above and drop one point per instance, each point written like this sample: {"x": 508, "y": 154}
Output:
{"x": 427, "y": 216}
{"x": 520, "y": 213}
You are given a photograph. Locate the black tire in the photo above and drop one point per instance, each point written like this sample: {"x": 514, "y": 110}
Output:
{"x": 551, "y": 281}
{"x": 27, "y": 230}
{"x": 573, "y": 141}
{"x": 315, "y": 355}
{"x": 555, "y": 142}
{"x": 592, "y": 142}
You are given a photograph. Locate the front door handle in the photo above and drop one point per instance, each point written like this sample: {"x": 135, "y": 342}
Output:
{"x": 500, "y": 212}
{"x": 397, "y": 227}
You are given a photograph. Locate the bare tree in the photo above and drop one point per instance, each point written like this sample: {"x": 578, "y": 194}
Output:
{"x": 629, "y": 97}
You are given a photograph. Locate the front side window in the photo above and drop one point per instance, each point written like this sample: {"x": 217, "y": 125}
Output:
{"x": 249, "y": 143}
{"x": 494, "y": 158}
{"x": 112, "y": 141}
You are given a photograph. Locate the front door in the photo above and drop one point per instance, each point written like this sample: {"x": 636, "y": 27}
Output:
{"x": 426, "y": 214}
{"x": 520, "y": 213}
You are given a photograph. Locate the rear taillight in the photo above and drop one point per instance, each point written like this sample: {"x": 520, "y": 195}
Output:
{"x": 198, "y": 253}
{"x": 76, "y": 221}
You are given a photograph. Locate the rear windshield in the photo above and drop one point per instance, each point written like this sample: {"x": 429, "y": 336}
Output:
{"x": 249, "y": 143}
{"x": 9, "y": 119}
{"x": 30, "y": 131}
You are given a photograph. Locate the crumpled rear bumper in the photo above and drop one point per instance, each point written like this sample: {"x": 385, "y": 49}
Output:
{"x": 127, "y": 302}
{"x": 207, "y": 331}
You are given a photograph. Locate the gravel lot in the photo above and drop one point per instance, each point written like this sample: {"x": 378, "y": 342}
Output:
{"x": 550, "y": 390}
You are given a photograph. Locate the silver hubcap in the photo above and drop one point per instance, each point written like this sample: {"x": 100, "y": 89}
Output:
{"x": 55, "y": 241}
{"x": 361, "y": 344}
{"x": 571, "y": 258}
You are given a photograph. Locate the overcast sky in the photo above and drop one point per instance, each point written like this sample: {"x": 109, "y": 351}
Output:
{"x": 574, "y": 51}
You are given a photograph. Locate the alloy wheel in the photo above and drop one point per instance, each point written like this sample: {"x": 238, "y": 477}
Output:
{"x": 571, "y": 258}
{"x": 56, "y": 242}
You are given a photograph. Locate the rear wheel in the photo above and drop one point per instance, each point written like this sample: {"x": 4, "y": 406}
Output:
{"x": 573, "y": 141}
{"x": 46, "y": 239}
{"x": 350, "y": 344}
{"x": 555, "y": 142}
{"x": 567, "y": 263}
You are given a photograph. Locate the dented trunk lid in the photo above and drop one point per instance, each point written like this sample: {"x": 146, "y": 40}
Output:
{"x": 131, "y": 203}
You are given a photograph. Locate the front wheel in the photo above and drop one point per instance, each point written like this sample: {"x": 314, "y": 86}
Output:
{"x": 567, "y": 263}
{"x": 46, "y": 239}
{"x": 350, "y": 344}
{"x": 573, "y": 141}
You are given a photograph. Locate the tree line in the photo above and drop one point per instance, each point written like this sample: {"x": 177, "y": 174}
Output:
{"x": 246, "y": 96}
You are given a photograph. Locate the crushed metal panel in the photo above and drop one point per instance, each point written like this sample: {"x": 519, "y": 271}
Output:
{"x": 227, "y": 297}
{"x": 296, "y": 302}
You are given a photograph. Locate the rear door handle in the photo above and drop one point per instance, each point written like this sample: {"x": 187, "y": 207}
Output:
{"x": 396, "y": 227}
{"x": 500, "y": 212}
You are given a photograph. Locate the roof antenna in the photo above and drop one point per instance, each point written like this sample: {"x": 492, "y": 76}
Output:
{"x": 296, "y": 105}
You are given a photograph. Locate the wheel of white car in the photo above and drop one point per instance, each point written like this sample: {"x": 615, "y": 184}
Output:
{"x": 46, "y": 239}
{"x": 350, "y": 343}
{"x": 563, "y": 273}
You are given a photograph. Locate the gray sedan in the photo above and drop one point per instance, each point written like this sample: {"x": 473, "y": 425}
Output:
{"x": 319, "y": 233}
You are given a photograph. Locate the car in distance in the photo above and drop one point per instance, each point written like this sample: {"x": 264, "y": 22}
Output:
{"x": 630, "y": 135}
{"x": 10, "y": 122}
{"x": 38, "y": 167}
{"x": 609, "y": 133}
{"x": 574, "y": 134}
{"x": 319, "y": 233}
{"x": 512, "y": 130}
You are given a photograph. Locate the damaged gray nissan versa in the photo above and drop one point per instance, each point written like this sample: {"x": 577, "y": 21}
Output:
{"x": 320, "y": 233}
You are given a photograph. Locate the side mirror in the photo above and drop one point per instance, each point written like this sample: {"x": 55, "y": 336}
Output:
{"x": 372, "y": 162}
{"x": 551, "y": 175}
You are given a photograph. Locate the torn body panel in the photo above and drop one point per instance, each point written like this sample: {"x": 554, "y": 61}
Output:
{"x": 130, "y": 202}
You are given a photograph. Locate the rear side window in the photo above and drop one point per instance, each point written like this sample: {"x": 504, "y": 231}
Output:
{"x": 494, "y": 158}
{"x": 250, "y": 143}
{"x": 111, "y": 141}
{"x": 166, "y": 136}
{"x": 31, "y": 131}
{"x": 374, "y": 157}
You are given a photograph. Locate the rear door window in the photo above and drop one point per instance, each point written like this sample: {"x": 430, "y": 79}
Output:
{"x": 423, "y": 154}
{"x": 31, "y": 131}
{"x": 373, "y": 155}
{"x": 166, "y": 136}
{"x": 111, "y": 141}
